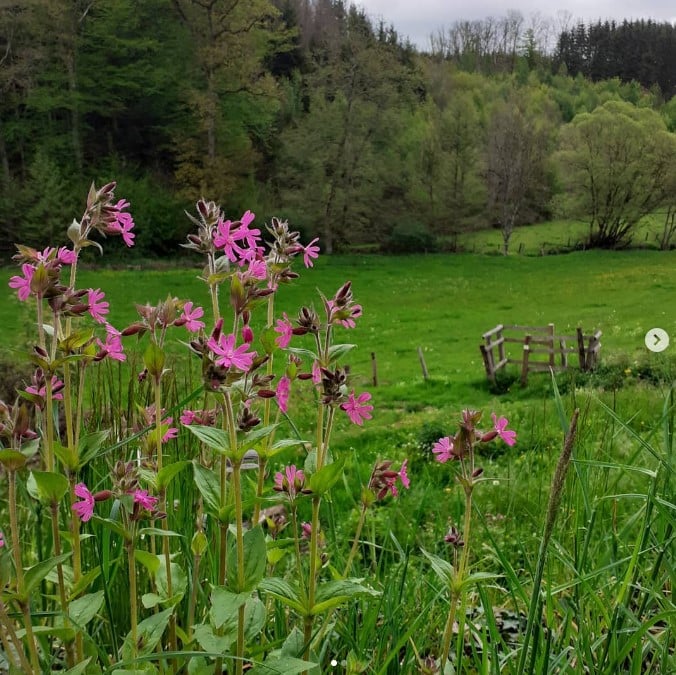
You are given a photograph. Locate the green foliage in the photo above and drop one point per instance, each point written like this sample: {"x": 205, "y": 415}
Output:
{"x": 409, "y": 237}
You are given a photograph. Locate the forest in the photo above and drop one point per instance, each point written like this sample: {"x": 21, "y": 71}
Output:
{"x": 310, "y": 111}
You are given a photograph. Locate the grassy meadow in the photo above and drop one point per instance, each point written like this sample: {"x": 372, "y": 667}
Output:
{"x": 606, "y": 590}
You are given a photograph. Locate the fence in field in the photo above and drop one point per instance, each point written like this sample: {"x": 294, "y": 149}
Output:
{"x": 538, "y": 341}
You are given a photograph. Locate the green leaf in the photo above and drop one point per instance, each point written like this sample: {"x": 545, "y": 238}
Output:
{"x": 443, "y": 569}
{"x": 285, "y": 665}
{"x": 324, "y": 479}
{"x": 112, "y": 525}
{"x": 150, "y": 600}
{"x": 47, "y": 487}
{"x": 254, "y": 561}
{"x": 338, "y": 351}
{"x": 79, "y": 669}
{"x": 90, "y": 444}
{"x": 84, "y": 609}
{"x": 208, "y": 484}
{"x": 149, "y": 633}
{"x": 252, "y": 437}
{"x": 12, "y": 460}
{"x": 303, "y": 353}
{"x": 210, "y": 642}
{"x": 214, "y": 438}
{"x": 199, "y": 543}
{"x": 158, "y": 532}
{"x": 148, "y": 560}
{"x": 153, "y": 360}
{"x": 333, "y": 593}
{"x": 283, "y": 591}
{"x": 254, "y": 619}
{"x": 284, "y": 443}
{"x": 169, "y": 472}
{"x": 67, "y": 456}
{"x": 224, "y": 605}
{"x": 35, "y": 574}
{"x": 179, "y": 582}
{"x": 85, "y": 581}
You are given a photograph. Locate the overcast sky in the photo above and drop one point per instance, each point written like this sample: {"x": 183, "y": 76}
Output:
{"x": 419, "y": 18}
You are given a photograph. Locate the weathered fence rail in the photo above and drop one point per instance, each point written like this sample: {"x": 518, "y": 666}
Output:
{"x": 537, "y": 342}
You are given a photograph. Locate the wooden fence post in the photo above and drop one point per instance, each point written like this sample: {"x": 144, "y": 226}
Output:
{"x": 374, "y": 369}
{"x": 580, "y": 349}
{"x": 524, "y": 363}
{"x": 423, "y": 365}
{"x": 550, "y": 333}
{"x": 490, "y": 373}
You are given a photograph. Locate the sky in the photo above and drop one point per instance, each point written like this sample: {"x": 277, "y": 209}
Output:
{"x": 419, "y": 18}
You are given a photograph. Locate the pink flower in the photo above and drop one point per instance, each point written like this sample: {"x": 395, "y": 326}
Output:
{"x": 244, "y": 233}
{"x": 285, "y": 330}
{"x": 2, "y": 539}
{"x": 225, "y": 238}
{"x": 316, "y": 373}
{"x": 112, "y": 346}
{"x": 403, "y": 475}
{"x": 310, "y": 252}
{"x": 258, "y": 269}
{"x": 57, "y": 386}
{"x": 85, "y": 508}
{"x": 346, "y": 316}
{"x": 291, "y": 481}
{"x": 147, "y": 502}
{"x": 306, "y": 530}
{"x": 283, "y": 389}
{"x": 188, "y": 417}
{"x": 191, "y": 316}
{"x": 357, "y": 409}
{"x": 443, "y": 449}
{"x": 500, "y": 426}
{"x": 23, "y": 284}
{"x": 171, "y": 432}
{"x": 98, "y": 308}
{"x": 65, "y": 256}
{"x": 228, "y": 356}
{"x": 123, "y": 223}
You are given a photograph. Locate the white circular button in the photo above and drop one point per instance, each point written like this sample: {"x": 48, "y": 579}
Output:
{"x": 657, "y": 339}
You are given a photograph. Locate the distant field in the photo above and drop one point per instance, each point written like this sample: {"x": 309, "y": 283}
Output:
{"x": 554, "y": 236}
{"x": 441, "y": 303}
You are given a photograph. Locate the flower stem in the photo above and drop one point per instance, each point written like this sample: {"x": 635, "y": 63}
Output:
{"x": 6, "y": 623}
{"x": 458, "y": 591}
{"x": 355, "y": 543}
{"x": 132, "y": 597}
{"x": 237, "y": 488}
{"x": 56, "y": 536}
{"x": 16, "y": 551}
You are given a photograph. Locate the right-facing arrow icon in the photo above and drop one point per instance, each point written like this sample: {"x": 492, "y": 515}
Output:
{"x": 657, "y": 339}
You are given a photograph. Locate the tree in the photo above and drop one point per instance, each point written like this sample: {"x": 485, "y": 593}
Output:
{"x": 618, "y": 164}
{"x": 519, "y": 142}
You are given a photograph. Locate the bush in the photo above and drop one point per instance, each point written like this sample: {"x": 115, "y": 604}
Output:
{"x": 408, "y": 237}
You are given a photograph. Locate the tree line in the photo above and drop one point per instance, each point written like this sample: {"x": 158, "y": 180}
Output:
{"x": 309, "y": 110}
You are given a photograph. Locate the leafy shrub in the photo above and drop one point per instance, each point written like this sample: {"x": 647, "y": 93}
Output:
{"x": 409, "y": 237}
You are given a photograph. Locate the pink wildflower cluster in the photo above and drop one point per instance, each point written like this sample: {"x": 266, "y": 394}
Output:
{"x": 456, "y": 447}
{"x": 383, "y": 480}
{"x": 85, "y": 509}
{"x": 292, "y": 482}
{"x": 358, "y": 408}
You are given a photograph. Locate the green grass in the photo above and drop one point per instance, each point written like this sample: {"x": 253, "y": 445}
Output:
{"x": 608, "y": 573}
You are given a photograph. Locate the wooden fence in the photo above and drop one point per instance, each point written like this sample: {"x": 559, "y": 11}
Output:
{"x": 538, "y": 341}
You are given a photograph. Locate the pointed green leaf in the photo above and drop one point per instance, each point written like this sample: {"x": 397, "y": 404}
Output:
{"x": 35, "y": 574}
{"x": 224, "y": 605}
{"x": 337, "y": 352}
{"x": 84, "y": 609}
{"x": 112, "y": 525}
{"x": 443, "y": 569}
{"x": 210, "y": 642}
{"x": 149, "y": 633}
{"x": 148, "y": 560}
{"x": 214, "y": 438}
{"x": 199, "y": 543}
{"x": 90, "y": 444}
{"x": 67, "y": 456}
{"x": 46, "y": 486}
{"x": 12, "y": 460}
{"x": 167, "y": 474}
{"x": 285, "y": 665}
{"x": 208, "y": 484}
{"x": 254, "y": 561}
{"x": 324, "y": 479}
{"x": 283, "y": 591}
{"x": 79, "y": 669}
{"x": 333, "y": 593}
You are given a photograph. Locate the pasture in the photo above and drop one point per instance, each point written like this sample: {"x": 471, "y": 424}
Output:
{"x": 605, "y": 590}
